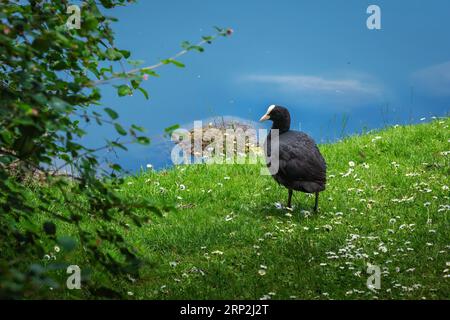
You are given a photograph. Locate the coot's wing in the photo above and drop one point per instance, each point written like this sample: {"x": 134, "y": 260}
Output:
{"x": 300, "y": 159}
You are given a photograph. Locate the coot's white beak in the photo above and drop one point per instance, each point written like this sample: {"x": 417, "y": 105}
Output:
{"x": 267, "y": 115}
{"x": 264, "y": 118}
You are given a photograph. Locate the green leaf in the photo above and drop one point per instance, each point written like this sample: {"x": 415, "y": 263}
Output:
{"x": 115, "y": 167}
{"x": 40, "y": 98}
{"x": 104, "y": 70}
{"x": 120, "y": 129}
{"x": 144, "y": 92}
{"x": 118, "y": 145}
{"x": 174, "y": 62}
{"x": 90, "y": 23}
{"x": 149, "y": 72}
{"x": 185, "y": 45}
{"x": 198, "y": 48}
{"x": 135, "y": 63}
{"x": 177, "y": 63}
{"x": 113, "y": 54}
{"x": 60, "y": 104}
{"x": 135, "y": 83}
{"x": 65, "y": 157}
{"x": 125, "y": 53}
{"x": 114, "y": 115}
{"x": 138, "y": 128}
{"x": 124, "y": 90}
{"x": 143, "y": 140}
{"x": 171, "y": 129}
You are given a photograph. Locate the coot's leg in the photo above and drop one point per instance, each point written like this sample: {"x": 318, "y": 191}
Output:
{"x": 289, "y": 198}
{"x": 317, "y": 202}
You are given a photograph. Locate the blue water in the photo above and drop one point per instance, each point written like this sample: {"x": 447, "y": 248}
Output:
{"x": 317, "y": 58}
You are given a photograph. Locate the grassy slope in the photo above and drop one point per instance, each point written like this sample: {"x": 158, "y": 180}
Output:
{"x": 394, "y": 214}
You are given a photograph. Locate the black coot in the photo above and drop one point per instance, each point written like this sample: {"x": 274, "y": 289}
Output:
{"x": 301, "y": 167}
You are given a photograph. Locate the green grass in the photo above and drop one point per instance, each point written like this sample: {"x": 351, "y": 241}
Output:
{"x": 227, "y": 239}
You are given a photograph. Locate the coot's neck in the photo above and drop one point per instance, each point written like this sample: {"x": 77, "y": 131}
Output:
{"x": 282, "y": 125}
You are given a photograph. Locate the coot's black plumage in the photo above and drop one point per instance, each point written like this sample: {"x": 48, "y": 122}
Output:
{"x": 301, "y": 167}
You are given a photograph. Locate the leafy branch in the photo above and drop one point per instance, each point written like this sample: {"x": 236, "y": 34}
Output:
{"x": 172, "y": 60}
{"x": 46, "y": 89}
